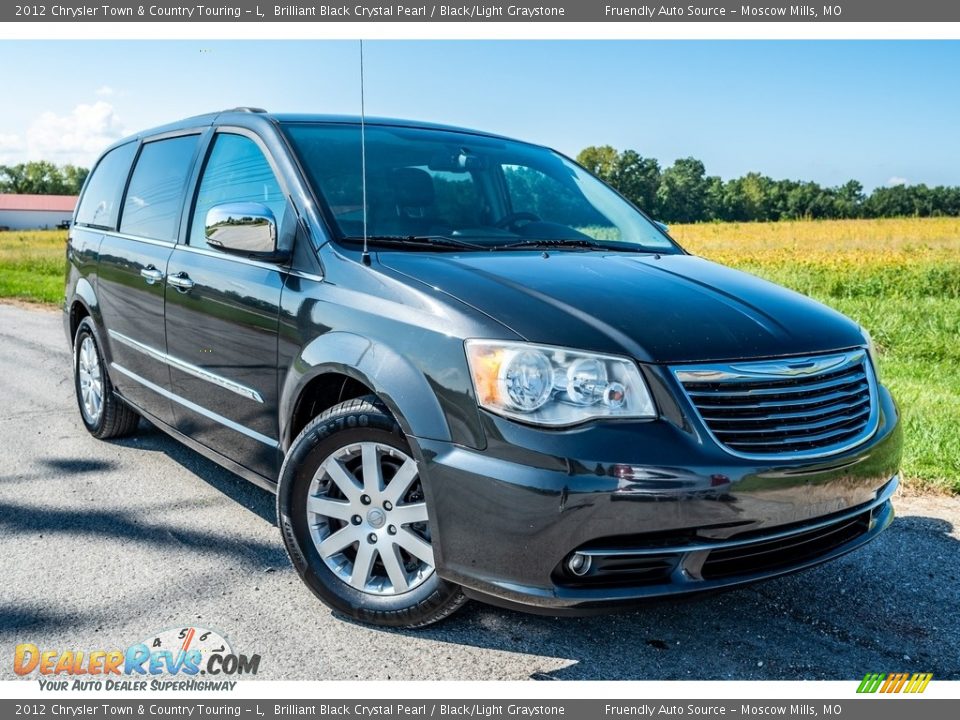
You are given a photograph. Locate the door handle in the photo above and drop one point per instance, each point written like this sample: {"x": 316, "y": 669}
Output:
{"x": 151, "y": 275}
{"x": 181, "y": 281}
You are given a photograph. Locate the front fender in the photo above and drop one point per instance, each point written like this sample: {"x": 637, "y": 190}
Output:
{"x": 396, "y": 381}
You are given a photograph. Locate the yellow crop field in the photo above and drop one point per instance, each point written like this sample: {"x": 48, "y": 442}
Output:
{"x": 885, "y": 238}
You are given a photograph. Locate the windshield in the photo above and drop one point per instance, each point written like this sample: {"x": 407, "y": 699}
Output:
{"x": 479, "y": 191}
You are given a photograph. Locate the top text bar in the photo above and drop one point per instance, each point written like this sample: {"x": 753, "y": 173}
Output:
{"x": 556, "y": 11}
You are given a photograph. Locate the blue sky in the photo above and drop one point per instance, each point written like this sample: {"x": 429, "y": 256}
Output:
{"x": 879, "y": 112}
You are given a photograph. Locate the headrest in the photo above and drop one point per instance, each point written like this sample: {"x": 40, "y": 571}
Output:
{"x": 414, "y": 187}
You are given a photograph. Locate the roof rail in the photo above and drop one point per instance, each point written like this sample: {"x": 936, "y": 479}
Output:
{"x": 244, "y": 108}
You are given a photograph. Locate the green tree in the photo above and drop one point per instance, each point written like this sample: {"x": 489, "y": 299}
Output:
{"x": 635, "y": 177}
{"x": 638, "y": 179}
{"x": 601, "y": 161}
{"x": 682, "y": 195}
{"x": 73, "y": 178}
{"x": 849, "y": 200}
{"x": 40, "y": 177}
{"x": 896, "y": 201}
{"x": 716, "y": 208}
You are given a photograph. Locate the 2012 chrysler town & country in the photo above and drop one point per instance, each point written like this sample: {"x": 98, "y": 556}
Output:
{"x": 467, "y": 367}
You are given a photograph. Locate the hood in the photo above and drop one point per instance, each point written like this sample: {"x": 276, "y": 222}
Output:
{"x": 667, "y": 308}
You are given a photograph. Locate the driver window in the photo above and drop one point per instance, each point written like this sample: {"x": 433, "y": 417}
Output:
{"x": 236, "y": 171}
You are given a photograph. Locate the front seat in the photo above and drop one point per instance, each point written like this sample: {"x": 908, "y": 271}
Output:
{"x": 416, "y": 201}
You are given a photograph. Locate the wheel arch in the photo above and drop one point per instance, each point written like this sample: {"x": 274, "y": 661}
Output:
{"x": 83, "y": 304}
{"x": 339, "y": 357}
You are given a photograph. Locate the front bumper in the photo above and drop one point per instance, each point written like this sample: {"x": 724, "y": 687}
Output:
{"x": 658, "y": 508}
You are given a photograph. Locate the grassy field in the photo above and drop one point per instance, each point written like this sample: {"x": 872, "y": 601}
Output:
{"x": 32, "y": 265}
{"x": 898, "y": 278}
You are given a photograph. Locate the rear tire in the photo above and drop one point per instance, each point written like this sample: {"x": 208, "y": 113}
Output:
{"x": 103, "y": 413}
{"x": 354, "y": 521}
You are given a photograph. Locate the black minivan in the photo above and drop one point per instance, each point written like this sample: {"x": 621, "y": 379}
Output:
{"x": 467, "y": 367}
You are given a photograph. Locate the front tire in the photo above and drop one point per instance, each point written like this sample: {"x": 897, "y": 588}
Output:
{"x": 351, "y": 510}
{"x": 103, "y": 413}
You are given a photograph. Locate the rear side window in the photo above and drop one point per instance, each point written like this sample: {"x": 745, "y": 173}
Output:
{"x": 236, "y": 172}
{"x": 101, "y": 198}
{"x": 155, "y": 196}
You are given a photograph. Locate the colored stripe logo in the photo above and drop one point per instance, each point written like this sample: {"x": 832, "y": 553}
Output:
{"x": 894, "y": 682}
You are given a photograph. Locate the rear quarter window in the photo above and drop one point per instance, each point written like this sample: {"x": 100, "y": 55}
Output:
{"x": 154, "y": 199}
{"x": 100, "y": 204}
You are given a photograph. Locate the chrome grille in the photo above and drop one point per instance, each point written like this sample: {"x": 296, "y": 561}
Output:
{"x": 796, "y": 407}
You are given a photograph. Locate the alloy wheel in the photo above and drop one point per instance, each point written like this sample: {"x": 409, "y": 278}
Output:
{"x": 368, "y": 519}
{"x": 91, "y": 381}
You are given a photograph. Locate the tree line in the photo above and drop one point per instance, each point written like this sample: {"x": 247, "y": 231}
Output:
{"x": 684, "y": 193}
{"x": 42, "y": 178}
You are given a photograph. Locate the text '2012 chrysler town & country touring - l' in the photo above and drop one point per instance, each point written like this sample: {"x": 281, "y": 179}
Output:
{"x": 467, "y": 367}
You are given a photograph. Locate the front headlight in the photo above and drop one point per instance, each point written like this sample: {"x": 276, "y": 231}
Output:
{"x": 555, "y": 386}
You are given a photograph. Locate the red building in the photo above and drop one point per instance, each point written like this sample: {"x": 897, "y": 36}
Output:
{"x": 32, "y": 212}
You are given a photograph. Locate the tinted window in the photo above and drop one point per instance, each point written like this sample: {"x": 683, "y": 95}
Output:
{"x": 236, "y": 171}
{"x": 101, "y": 198}
{"x": 152, "y": 206}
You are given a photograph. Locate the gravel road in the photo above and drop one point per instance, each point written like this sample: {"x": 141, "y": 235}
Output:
{"x": 107, "y": 542}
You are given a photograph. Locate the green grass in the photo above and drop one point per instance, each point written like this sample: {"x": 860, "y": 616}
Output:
{"x": 898, "y": 278}
{"x": 32, "y": 265}
{"x": 919, "y": 353}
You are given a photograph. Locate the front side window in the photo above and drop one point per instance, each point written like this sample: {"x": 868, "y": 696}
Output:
{"x": 483, "y": 190}
{"x": 100, "y": 205}
{"x": 155, "y": 196}
{"x": 236, "y": 172}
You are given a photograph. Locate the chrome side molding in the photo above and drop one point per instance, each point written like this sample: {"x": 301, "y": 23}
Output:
{"x": 190, "y": 369}
{"x": 226, "y": 422}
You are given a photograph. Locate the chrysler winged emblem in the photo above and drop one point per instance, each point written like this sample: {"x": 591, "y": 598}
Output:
{"x": 788, "y": 368}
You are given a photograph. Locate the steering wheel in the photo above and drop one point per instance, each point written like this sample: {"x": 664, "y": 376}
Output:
{"x": 511, "y": 221}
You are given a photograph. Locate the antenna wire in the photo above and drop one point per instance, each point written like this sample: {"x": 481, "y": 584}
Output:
{"x": 363, "y": 157}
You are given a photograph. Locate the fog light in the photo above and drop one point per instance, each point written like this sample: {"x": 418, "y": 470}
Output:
{"x": 579, "y": 564}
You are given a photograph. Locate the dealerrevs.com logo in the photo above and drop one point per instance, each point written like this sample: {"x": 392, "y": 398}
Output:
{"x": 188, "y": 658}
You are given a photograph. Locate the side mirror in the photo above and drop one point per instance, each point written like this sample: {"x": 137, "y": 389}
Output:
{"x": 245, "y": 228}
{"x": 665, "y": 228}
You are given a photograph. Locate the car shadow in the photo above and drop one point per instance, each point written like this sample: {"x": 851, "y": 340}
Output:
{"x": 255, "y": 499}
{"x": 25, "y": 517}
{"x": 73, "y": 466}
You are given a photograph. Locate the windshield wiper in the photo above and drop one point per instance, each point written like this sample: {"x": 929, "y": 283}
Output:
{"x": 570, "y": 242}
{"x": 418, "y": 240}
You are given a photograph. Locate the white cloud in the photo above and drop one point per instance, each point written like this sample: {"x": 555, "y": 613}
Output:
{"x": 894, "y": 181}
{"x": 105, "y": 91}
{"x": 77, "y": 137}
{"x": 10, "y": 148}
